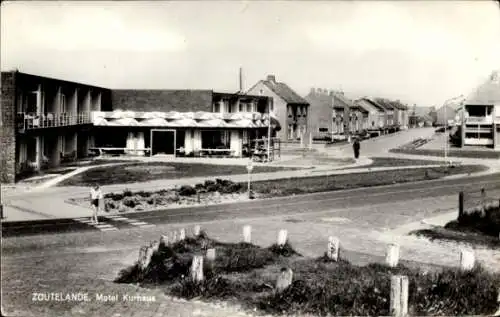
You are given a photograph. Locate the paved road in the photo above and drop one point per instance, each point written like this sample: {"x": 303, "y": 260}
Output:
{"x": 347, "y": 201}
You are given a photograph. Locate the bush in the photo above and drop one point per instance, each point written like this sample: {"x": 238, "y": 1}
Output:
{"x": 144, "y": 194}
{"x": 209, "y": 183}
{"x": 114, "y": 196}
{"x": 243, "y": 257}
{"x": 187, "y": 190}
{"x": 130, "y": 201}
{"x": 199, "y": 187}
{"x": 127, "y": 193}
{"x": 285, "y": 250}
{"x": 110, "y": 205}
{"x": 154, "y": 198}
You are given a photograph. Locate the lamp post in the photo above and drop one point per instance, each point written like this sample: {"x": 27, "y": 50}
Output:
{"x": 249, "y": 169}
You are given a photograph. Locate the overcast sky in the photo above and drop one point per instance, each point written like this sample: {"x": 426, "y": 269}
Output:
{"x": 421, "y": 52}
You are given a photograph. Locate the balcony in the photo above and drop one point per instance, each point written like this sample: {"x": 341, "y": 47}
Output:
{"x": 29, "y": 121}
{"x": 479, "y": 120}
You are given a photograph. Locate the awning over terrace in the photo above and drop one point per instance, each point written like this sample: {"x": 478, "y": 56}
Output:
{"x": 184, "y": 119}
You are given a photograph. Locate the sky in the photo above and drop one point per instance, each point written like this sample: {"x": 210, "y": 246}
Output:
{"x": 421, "y": 52}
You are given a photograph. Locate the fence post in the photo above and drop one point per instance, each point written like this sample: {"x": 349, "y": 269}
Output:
{"x": 197, "y": 268}
{"x": 460, "y": 206}
{"x": 211, "y": 254}
{"x": 163, "y": 241}
{"x": 196, "y": 230}
{"x": 247, "y": 234}
{"x": 399, "y": 296}
{"x": 392, "y": 256}
{"x": 483, "y": 201}
{"x": 182, "y": 234}
{"x": 282, "y": 237}
{"x": 284, "y": 279}
{"x": 467, "y": 260}
{"x": 333, "y": 249}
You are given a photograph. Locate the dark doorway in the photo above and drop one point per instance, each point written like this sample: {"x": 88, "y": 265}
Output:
{"x": 163, "y": 142}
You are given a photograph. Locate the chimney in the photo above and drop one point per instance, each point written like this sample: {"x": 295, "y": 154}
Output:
{"x": 241, "y": 79}
{"x": 271, "y": 78}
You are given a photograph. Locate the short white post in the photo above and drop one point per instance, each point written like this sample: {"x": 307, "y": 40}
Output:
{"x": 197, "y": 268}
{"x": 282, "y": 237}
{"x": 467, "y": 260}
{"x": 392, "y": 256}
{"x": 333, "y": 248}
{"x": 247, "y": 234}
{"x": 399, "y": 296}
{"x": 211, "y": 255}
{"x": 182, "y": 234}
{"x": 196, "y": 230}
{"x": 174, "y": 237}
{"x": 284, "y": 279}
{"x": 145, "y": 257}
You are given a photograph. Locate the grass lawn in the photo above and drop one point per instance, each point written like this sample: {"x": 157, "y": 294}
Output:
{"x": 452, "y": 153}
{"x": 285, "y": 187}
{"x": 474, "y": 227}
{"x": 473, "y": 238}
{"x": 143, "y": 172}
{"x": 247, "y": 274}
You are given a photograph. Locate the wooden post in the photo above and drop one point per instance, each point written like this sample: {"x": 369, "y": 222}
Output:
{"x": 392, "y": 256}
{"x": 247, "y": 234}
{"x": 333, "y": 248}
{"x": 282, "y": 237}
{"x": 197, "y": 268}
{"x": 211, "y": 255}
{"x": 145, "y": 255}
{"x": 460, "y": 205}
{"x": 182, "y": 234}
{"x": 284, "y": 279}
{"x": 399, "y": 296}
{"x": 196, "y": 230}
{"x": 467, "y": 260}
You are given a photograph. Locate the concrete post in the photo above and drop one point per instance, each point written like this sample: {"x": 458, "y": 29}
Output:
{"x": 399, "y": 296}
{"x": 284, "y": 279}
{"x": 467, "y": 260}
{"x": 247, "y": 234}
{"x": 333, "y": 248}
{"x": 197, "y": 269}
{"x": 182, "y": 234}
{"x": 196, "y": 230}
{"x": 282, "y": 237}
{"x": 392, "y": 256}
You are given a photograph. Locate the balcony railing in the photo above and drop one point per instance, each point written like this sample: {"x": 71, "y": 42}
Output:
{"x": 479, "y": 120}
{"x": 27, "y": 121}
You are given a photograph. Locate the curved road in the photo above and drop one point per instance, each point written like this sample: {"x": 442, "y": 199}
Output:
{"x": 353, "y": 204}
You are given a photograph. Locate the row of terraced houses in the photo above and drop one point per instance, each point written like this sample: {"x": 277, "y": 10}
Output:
{"x": 47, "y": 121}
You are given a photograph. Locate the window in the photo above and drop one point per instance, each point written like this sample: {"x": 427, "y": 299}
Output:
{"x": 241, "y": 107}
{"x": 216, "y": 107}
{"x": 304, "y": 111}
{"x": 215, "y": 139}
{"x": 289, "y": 111}
{"x": 323, "y": 129}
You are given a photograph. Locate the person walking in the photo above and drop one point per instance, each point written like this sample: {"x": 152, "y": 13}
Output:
{"x": 95, "y": 198}
{"x": 356, "y": 146}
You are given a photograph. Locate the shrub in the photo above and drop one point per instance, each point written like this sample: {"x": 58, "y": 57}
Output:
{"x": 127, "y": 193}
{"x": 110, "y": 205}
{"x": 199, "y": 187}
{"x": 187, "y": 190}
{"x": 144, "y": 194}
{"x": 209, "y": 183}
{"x": 243, "y": 257}
{"x": 285, "y": 250}
{"x": 130, "y": 202}
{"x": 114, "y": 196}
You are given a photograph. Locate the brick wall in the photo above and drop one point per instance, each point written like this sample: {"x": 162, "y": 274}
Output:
{"x": 8, "y": 128}
{"x": 162, "y": 100}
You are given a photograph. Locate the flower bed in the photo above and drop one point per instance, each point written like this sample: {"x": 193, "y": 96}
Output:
{"x": 209, "y": 192}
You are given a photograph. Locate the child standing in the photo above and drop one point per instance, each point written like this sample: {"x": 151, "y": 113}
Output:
{"x": 95, "y": 198}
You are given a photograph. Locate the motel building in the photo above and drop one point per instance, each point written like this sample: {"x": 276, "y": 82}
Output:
{"x": 47, "y": 122}
{"x": 480, "y": 115}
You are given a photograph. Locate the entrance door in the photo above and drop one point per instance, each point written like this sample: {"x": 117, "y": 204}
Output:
{"x": 163, "y": 142}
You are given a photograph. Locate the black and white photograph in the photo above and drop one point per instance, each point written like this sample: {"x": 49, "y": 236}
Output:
{"x": 250, "y": 158}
